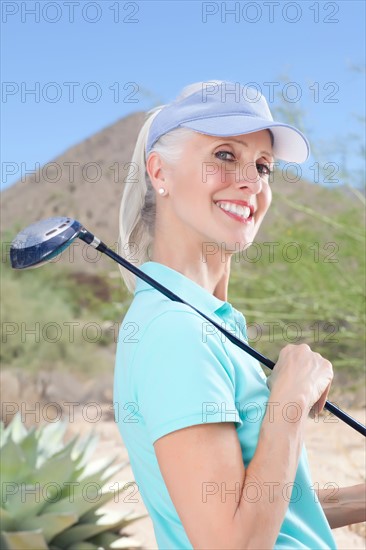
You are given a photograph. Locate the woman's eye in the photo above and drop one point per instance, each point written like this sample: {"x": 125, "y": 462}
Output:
{"x": 222, "y": 155}
{"x": 264, "y": 170}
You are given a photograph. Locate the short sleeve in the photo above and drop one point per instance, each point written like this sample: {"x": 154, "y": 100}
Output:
{"x": 182, "y": 375}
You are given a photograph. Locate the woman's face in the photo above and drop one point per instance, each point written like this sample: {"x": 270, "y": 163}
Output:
{"x": 212, "y": 175}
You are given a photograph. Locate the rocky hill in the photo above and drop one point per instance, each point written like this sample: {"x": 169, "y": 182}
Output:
{"x": 85, "y": 182}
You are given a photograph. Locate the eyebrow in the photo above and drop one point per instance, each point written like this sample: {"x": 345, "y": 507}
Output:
{"x": 246, "y": 145}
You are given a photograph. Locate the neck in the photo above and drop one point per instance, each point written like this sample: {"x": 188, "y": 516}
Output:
{"x": 211, "y": 272}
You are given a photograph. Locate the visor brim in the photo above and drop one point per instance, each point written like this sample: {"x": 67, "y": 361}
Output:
{"x": 289, "y": 143}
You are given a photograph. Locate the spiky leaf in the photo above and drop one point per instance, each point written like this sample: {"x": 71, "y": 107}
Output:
{"x": 80, "y": 505}
{"x": 23, "y": 540}
{"x": 131, "y": 518}
{"x": 104, "y": 540}
{"x": 16, "y": 429}
{"x": 3, "y": 436}
{"x": 93, "y": 514}
{"x": 79, "y": 533}
{"x": 50, "y": 440}
{"x": 53, "y": 473}
{"x": 99, "y": 479}
{"x": 29, "y": 445}
{"x": 13, "y": 466}
{"x": 110, "y": 540}
{"x": 6, "y": 521}
{"x": 83, "y": 546}
{"x": 26, "y": 501}
{"x": 37, "y": 475}
{"x": 50, "y": 524}
{"x": 68, "y": 449}
{"x": 84, "y": 448}
{"x": 97, "y": 466}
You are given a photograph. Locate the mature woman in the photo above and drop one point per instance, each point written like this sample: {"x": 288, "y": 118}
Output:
{"x": 216, "y": 448}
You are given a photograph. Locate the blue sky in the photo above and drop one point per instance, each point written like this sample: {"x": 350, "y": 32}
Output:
{"x": 127, "y": 56}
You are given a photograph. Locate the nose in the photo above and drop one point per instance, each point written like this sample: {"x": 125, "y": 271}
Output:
{"x": 248, "y": 178}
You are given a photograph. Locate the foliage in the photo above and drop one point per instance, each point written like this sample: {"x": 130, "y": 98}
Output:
{"x": 52, "y": 494}
{"x": 52, "y": 318}
{"x": 310, "y": 291}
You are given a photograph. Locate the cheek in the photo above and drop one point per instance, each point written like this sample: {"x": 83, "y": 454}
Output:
{"x": 190, "y": 194}
{"x": 265, "y": 198}
{"x": 196, "y": 184}
{"x": 199, "y": 188}
{"x": 217, "y": 180}
{"x": 269, "y": 197}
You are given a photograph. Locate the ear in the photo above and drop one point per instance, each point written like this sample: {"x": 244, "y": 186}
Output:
{"x": 155, "y": 167}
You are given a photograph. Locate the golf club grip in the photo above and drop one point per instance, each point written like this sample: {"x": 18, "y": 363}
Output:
{"x": 240, "y": 343}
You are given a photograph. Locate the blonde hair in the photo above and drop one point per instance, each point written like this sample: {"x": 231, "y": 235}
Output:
{"x": 138, "y": 204}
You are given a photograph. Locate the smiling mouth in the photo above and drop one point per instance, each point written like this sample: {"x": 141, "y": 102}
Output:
{"x": 242, "y": 213}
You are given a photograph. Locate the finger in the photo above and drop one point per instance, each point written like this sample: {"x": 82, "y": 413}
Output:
{"x": 320, "y": 404}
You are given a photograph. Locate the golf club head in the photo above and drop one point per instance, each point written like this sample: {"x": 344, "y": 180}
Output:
{"x": 40, "y": 242}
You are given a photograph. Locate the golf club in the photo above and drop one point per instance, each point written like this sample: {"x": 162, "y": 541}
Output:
{"x": 42, "y": 241}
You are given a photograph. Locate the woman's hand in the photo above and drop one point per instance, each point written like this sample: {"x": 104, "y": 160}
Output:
{"x": 304, "y": 374}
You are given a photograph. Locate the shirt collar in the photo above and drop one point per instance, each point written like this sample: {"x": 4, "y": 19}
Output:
{"x": 183, "y": 287}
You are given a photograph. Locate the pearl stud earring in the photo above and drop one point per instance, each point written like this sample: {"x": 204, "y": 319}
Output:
{"x": 162, "y": 191}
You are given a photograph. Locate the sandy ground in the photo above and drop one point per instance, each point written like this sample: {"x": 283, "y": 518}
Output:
{"x": 337, "y": 454}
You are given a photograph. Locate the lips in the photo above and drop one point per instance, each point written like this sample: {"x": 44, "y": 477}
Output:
{"x": 239, "y": 202}
{"x": 237, "y": 209}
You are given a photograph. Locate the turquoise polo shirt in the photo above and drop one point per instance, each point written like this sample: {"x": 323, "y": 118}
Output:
{"x": 174, "y": 369}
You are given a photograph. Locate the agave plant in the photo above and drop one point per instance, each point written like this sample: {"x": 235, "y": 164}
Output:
{"x": 51, "y": 494}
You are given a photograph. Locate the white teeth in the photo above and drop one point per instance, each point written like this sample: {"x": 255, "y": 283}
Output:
{"x": 242, "y": 211}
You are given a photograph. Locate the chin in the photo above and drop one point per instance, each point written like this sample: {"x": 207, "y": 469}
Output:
{"x": 236, "y": 246}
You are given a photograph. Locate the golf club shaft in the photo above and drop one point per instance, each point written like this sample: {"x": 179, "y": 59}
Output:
{"x": 99, "y": 245}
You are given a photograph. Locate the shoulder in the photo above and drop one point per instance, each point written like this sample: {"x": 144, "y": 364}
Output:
{"x": 156, "y": 315}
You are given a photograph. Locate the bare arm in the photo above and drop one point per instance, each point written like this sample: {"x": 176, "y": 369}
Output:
{"x": 215, "y": 497}
{"x": 204, "y": 472}
{"x": 274, "y": 465}
{"x": 345, "y": 505}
